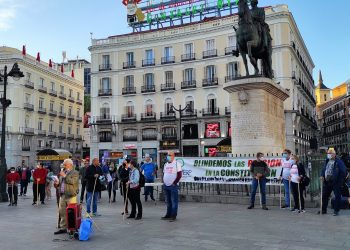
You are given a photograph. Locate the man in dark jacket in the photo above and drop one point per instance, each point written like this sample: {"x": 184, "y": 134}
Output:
{"x": 93, "y": 172}
{"x": 82, "y": 173}
{"x": 25, "y": 175}
{"x": 333, "y": 176}
{"x": 123, "y": 175}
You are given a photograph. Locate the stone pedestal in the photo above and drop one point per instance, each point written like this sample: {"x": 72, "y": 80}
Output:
{"x": 257, "y": 116}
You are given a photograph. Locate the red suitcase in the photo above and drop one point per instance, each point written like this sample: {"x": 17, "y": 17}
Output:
{"x": 73, "y": 217}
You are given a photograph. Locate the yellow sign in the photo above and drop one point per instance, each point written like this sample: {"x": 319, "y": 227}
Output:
{"x": 52, "y": 157}
{"x": 224, "y": 149}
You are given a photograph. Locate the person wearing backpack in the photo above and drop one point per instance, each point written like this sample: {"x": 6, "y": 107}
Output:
{"x": 134, "y": 191}
{"x": 149, "y": 169}
{"x": 333, "y": 177}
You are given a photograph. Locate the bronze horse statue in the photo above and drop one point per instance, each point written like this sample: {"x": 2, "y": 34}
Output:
{"x": 250, "y": 41}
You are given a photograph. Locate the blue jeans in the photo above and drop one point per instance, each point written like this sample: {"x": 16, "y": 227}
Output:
{"x": 94, "y": 202}
{"x": 286, "y": 192}
{"x": 149, "y": 190}
{"x": 262, "y": 190}
{"x": 172, "y": 200}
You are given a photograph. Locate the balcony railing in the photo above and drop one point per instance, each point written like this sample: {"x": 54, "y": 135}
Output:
{"x": 148, "y": 116}
{"x": 210, "y": 112}
{"x": 52, "y": 92}
{"x": 168, "y": 59}
{"x": 29, "y": 84}
{"x": 71, "y": 99}
{"x": 80, "y": 102}
{"x": 129, "y": 91}
{"x": 227, "y": 110}
{"x": 104, "y": 119}
{"x": 41, "y": 110}
{"x": 62, "y": 96}
{"x": 129, "y": 117}
{"x": 129, "y": 65}
{"x": 148, "y": 62}
{"x": 61, "y": 135}
{"x": 210, "y": 53}
{"x": 51, "y": 134}
{"x": 28, "y": 106}
{"x": 53, "y": 113}
{"x": 188, "y": 57}
{"x": 70, "y": 136}
{"x": 167, "y": 116}
{"x": 148, "y": 88}
{"x": 232, "y": 77}
{"x": 169, "y": 137}
{"x": 41, "y": 132}
{"x": 62, "y": 115}
{"x": 78, "y": 137}
{"x": 42, "y": 89}
{"x": 192, "y": 113}
{"x": 78, "y": 119}
{"x": 105, "y": 67}
{"x": 106, "y": 139}
{"x": 29, "y": 131}
{"x": 149, "y": 137}
{"x": 210, "y": 82}
{"x": 167, "y": 87}
{"x": 229, "y": 50}
{"x": 71, "y": 117}
{"x": 105, "y": 92}
{"x": 25, "y": 148}
{"x": 129, "y": 137}
{"x": 188, "y": 84}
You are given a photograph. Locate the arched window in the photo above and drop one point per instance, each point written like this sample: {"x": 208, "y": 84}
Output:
{"x": 130, "y": 135}
{"x": 149, "y": 134}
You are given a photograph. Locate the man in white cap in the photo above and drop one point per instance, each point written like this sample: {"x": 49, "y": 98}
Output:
{"x": 149, "y": 171}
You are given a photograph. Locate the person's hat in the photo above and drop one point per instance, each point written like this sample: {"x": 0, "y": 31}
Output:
{"x": 12, "y": 168}
{"x": 331, "y": 150}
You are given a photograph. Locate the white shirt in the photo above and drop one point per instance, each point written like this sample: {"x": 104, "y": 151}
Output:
{"x": 170, "y": 172}
{"x": 286, "y": 165}
{"x": 294, "y": 174}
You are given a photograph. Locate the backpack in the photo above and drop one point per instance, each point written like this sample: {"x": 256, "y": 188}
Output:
{"x": 142, "y": 180}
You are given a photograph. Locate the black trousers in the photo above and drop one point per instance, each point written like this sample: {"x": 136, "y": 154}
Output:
{"x": 13, "y": 200}
{"x": 123, "y": 192}
{"x": 83, "y": 188}
{"x": 24, "y": 185}
{"x": 328, "y": 188}
{"x": 134, "y": 197}
{"x": 41, "y": 189}
{"x": 110, "y": 187}
{"x": 296, "y": 194}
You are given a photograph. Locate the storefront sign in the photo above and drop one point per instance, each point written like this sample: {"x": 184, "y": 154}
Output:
{"x": 53, "y": 157}
{"x": 224, "y": 149}
{"x": 164, "y": 145}
{"x": 130, "y": 146}
{"x": 117, "y": 154}
{"x": 225, "y": 170}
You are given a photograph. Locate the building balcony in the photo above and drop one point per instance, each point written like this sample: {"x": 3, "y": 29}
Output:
{"x": 78, "y": 137}
{"x": 28, "y": 131}
{"x": 149, "y": 137}
{"x": 106, "y": 139}
{"x": 29, "y": 84}
{"x": 128, "y": 117}
{"x": 210, "y": 112}
{"x": 232, "y": 77}
{"x": 51, "y": 134}
{"x": 166, "y": 137}
{"x": 167, "y": 116}
{"x": 42, "y": 89}
{"x": 80, "y": 102}
{"x": 71, "y": 117}
{"x": 148, "y": 116}
{"x": 52, "y": 92}
{"x": 209, "y": 82}
{"x": 129, "y": 91}
{"x": 168, "y": 60}
{"x": 229, "y": 50}
{"x": 25, "y": 148}
{"x": 188, "y": 84}
{"x": 71, "y": 99}
{"x": 62, "y": 96}
{"x": 170, "y": 86}
{"x": 227, "y": 110}
{"x": 41, "y": 110}
{"x": 129, "y": 137}
{"x": 53, "y": 113}
{"x": 192, "y": 113}
{"x": 188, "y": 57}
{"x": 129, "y": 65}
{"x": 28, "y": 106}
{"x": 61, "y": 135}
{"x": 104, "y": 119}
{"x": 41, "y": 132}
{"x": 210, "y": 53}
{"x": 148, "y": 89}
{"x": 70, "y": 136}
{"x": 300, "y": 84}
{"x": 79, "y": 119}
{"x": 148, "y": 62}
{"x": 105, "y": 67}
{"x": 105, "y": 92}
{"x": 62, "y": 115}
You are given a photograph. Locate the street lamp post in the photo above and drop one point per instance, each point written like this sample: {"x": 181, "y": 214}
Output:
{"x": 16, "y": 74}
{"x": 180, "y": 110}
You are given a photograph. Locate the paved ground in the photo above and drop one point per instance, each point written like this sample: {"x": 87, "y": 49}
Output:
{"x": 199, "y": 226}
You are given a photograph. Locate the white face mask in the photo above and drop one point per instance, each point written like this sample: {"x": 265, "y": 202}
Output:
{"x": 329, "y": 156}
{"x": 12, "y": 172}
{"x": 262, "y": 158}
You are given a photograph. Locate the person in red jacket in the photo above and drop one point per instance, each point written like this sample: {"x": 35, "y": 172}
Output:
{"x": 39, "y": 181}
{"x": 12, "y": 179}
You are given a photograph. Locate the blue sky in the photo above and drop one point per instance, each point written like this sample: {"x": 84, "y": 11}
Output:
{"x": 51, "y": 26}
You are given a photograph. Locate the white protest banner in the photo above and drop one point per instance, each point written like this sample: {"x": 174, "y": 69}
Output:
{"x": 225, "y": 170}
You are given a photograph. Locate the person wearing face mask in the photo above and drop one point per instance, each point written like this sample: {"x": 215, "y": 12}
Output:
{"x": 149, "y": 169}
{"x": 332, "y": 177}
{"x": 112, "y": 183}
{"x": 297, "y": 173}
{"x": 285, "y": 173}
{"x": 12, "y": 180}
{"x": 172, "y": 174}
{"x": 39, "y": 181}
{"x": 25, "y": 175}
{"x": 123, "y": 173}
{"x": 134, "y": 192}
{"x": 259, "y": 170}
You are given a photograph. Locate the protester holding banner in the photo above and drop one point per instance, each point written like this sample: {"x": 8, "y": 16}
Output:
{"x": 297, "y": 173}
{"x": 286, "y": 167}
{"x": 259, "y": 170}
{"x": 171, "y": 177}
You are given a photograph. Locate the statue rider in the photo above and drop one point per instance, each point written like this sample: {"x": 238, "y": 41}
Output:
{"x": 258, "y": 15}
